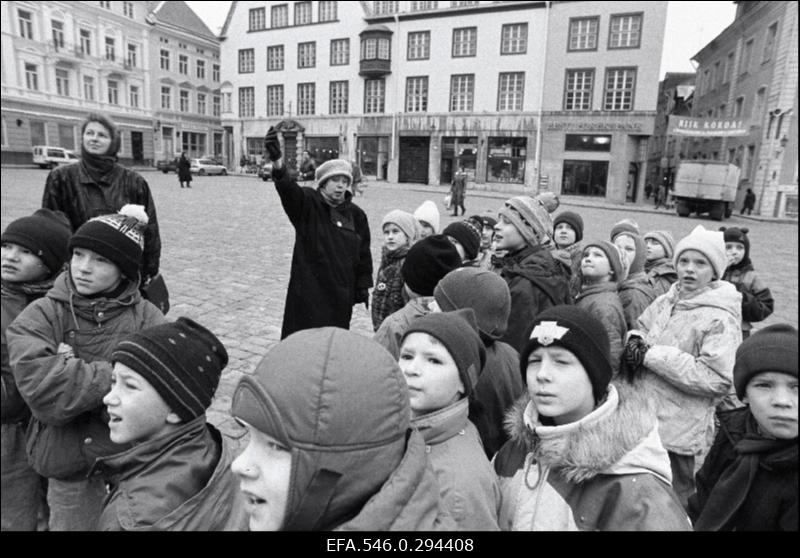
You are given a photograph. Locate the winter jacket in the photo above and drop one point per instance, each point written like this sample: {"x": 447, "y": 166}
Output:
{"x": 759, "y": 496}
{"x": 536, "y": 283}
{"x": 662, "y": 275}
{"x": 387, "y": 296}
{"x": 606, "y": 472}
{"x": 757, "y": 302}
{"x": 601, "y": 300}
{"x": 391, "y": 332}
{"x": 69, "y": 430}
{"x": 635, "y": 293}
{"x": 571, "y": 257}
{"x": 331, "y": 260}
{"x": 70, "y": 189}
{"x": 689, "y": 365}
{"x": 499, "y": 386}
{"x": 180, "y": 481}
{"x": 467, "y": 485}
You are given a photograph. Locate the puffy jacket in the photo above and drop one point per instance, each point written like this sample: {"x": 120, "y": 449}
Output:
{"x": 387, "y": 296}
{"x": 467, "y": 486}
{"x": 178, "y": 482}
{"x": 757, "y": 301}
{"x": 69, "y": 429}
{"x": 394, "y": 326}
{"x": 635, "y": 293}
{"x": 70, "y": 189}
{"x": 689, "y": 365}
{"x": 601, "y": 300}
{"x": 662, "y": 275}
{"x": 605, "y": 472}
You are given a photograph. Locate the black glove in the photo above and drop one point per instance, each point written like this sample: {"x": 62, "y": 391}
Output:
{"x": 272, "y": 145}
{"x": 362, "y": 295}
{"x": 633, "y": 357}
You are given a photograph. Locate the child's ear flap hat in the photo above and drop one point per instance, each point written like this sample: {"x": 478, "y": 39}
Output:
{"x": 738, "y": 234}
{"x": 709, "y": 243}
{"x": 771, "y": 349}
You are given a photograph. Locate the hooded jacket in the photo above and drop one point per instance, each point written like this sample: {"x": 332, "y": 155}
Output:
{"x": 390, "y": 333}
{"x": 387, "y": 296}
{"x": 69, "y": 429}
{"x": 606, "y": 472}
{"x": 601, "y": 300}
{"x": 662, "y": 275}
{"x": 635, "y": 293}
{"x": 177, "y": 482}
{"x": 331, "y": 260}
{"x": 757, "y": 301}
{"x": 689, "y": 365}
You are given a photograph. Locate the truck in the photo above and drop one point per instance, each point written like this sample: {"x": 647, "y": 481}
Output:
{"x": 705, "y": 187}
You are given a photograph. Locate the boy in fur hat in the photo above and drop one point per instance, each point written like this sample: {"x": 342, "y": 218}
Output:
{"x": 584, "y": 454}
{"x": 635, "y": 291}
{"x": 660, "y": 271}
{"x": 60, "y": 352}
{"x": 34, "y": 250}
{"x": 441, "y": 357}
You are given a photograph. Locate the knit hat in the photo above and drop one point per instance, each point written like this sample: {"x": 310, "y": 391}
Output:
{"x": 548, "y": 200}
{"x": 640, "y": 255}
{"x": 573, "y": 220}
{"x": 709, "y": 243}
{"x": 531, "y": 219}
{"x": 487, "y": 221}
{"x": 427, "y": 261}
{"x": 183, "y": 362}
{"x": 331, "y": 168}
{"x": 771, "y": 349}
{"x": 665, "y": 239}
{"x": 429, "y": 213}
{"x": 615, "y": 258}
{"x": 118, "y": 237}
{"x": 405, "y": 221}
{"x": 457, "y": 331}
{"x": 467, "y": 234}
{"x": 45, "y": 233}
{"x": 738, "y": 234}
{"x": 484, "y": 291}
{"x": 626, "y": 225}
{"x": 577, "y": 330}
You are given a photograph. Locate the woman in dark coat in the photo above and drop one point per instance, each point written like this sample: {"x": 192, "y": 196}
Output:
{"x": 458, "y": 192}
{"x": 184, "y": 171}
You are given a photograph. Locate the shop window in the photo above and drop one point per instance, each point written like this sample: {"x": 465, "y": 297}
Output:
{"x": 458, "y": 152}
{"x": 586, "y": 142}
{"x": 506, "y": 160}
{"x": 373, "y": 155}
{"x": 584, "y": 178}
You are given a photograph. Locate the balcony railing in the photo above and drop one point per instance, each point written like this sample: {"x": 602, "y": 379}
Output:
{"x": 374, "y": 68}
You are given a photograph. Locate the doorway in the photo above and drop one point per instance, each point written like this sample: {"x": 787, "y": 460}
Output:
{"x": 137, "y": 146}
{"x": 414, "y": 158}
{"x": 584, "y": 178}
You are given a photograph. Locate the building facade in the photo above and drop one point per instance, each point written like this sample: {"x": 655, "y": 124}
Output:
{"x": 675, "y": 97}
{"x": 415, "y": 90}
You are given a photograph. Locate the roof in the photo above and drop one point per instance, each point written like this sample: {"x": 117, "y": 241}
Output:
{"x": 180, "y": 15}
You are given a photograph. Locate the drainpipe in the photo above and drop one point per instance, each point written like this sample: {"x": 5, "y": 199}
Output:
{"x": 396, "y": 86}
{"x": 538, "y": 157}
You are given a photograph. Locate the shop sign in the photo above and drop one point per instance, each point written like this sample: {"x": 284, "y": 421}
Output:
{"x": 706, "y": 127}
{"x": 596, "y": 126}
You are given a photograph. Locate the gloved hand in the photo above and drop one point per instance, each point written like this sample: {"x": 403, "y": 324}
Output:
{"x": 272, "y": 144}
{"x": 362, "y": 295}
{"x": 633, "y": 357}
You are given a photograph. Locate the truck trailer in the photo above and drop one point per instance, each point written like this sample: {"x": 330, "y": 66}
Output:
{"x": 705, "y": 187}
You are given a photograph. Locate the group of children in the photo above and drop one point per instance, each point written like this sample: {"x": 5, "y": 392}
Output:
{"x": 519, "y": 378}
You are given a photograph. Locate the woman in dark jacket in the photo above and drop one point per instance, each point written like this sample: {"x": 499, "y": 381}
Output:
{"x": 184, "y": 171}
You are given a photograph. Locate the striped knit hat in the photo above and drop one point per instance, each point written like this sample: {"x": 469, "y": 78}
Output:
{"x": 183, "y": 362}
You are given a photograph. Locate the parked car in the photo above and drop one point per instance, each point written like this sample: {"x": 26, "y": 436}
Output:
{"x": 207, "y": 166}
{"x": 167, "y": 166}
{"x": 265, "y": 171}
{"x": 48, "y": 157}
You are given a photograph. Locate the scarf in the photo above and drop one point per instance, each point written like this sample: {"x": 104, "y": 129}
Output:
{"x": 98, "y": 167}
{"x": 32, "y": 290}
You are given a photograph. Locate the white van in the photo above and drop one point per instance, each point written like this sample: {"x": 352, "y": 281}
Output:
{"x": 48, "y": 157}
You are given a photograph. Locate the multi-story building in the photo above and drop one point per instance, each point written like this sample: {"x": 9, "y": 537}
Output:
{"x": 749, "y": 71}
{"x": 414, "y": 90}
{"x": 675, "y": 95}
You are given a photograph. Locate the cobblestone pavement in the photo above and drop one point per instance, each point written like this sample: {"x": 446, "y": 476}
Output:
{"x": 227, "y": 248}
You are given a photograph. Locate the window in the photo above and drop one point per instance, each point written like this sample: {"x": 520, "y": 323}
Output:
{"x": 340, "y": 52}
{"x": 215, "y": 111}
{"x": 620, "y": 84}
{"x": 279, "y": 16}
{"x": 578, "y": 90}
{"x": 66, "y": 136}
{"x": 275, "y": 100}
{"x": 506, "y": 160}
{"x": 722, "y": 108}
{"x": 302, "y": 13}
{"x": 587, "y": 142}
{"x": 32, "y": 77}
{"x": 86, "y": 42}
{"x": 201, "y": 69}
{"x": 419, "y": 45}
{"x": 462, "y": 92}
{"x": 258, "y": 19}
{"x": 583, "y": 33}
{"x": 462, "y": 3}
{"x": 738, "y": 107}
{"x": 372, "y": 49}
{"x": 111, "y": 49}
{"x": 758, "y": 106}
{"x": 25, "y": 20}
{"x": 106, "y": 5}
{"x": 307, "y": 55}
{"x": 38, "y": 134}
{"x": 769, "y": 42}
{"x": 275, "y": 58}
{"x": 247, "y": 104}
{"x": 132, "y": 59}
{"x": 422, "y": 6}
{"x": 58, "y": 33}
{"x": 717, "y": 74}
{"x": 127, "y": 9}
{"x": 625, "y": 31}
{"x": 183, "y": 98}
{"x": 88, "y": 88}
{"x": 339, "y": 97}
{"x": 747, "y": 54}
{"x": 417, "y": 94}
{"x": 306, "y": 96}
{"x": 215, "y": 72}
{"x": 247, "y": 61}
{"x": 374, "y": 96}
{"x": 729, "y": 67}
{"x": 510, "y": 91}
{"x": 164, "y": 59}
{"x": 201, "y": 103}
{"x": 183, "y": 64}
{"x": 62, "y": 82}
{"x": 134, "y": 96}
{"x": 166, "y": 98}
{"x": 327, "y": 11}
{"x": 465, "y": 41}
{"x": 384, "y": 8}
{"x": 514, "y": 38}
{"x": 228, "y": 102}
{"x": 113, "y": 92}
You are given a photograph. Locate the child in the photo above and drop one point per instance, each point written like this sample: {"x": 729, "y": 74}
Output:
{"x": 584, "y": 454}
{"x": 441, "y": 357}
{"x": 60, "y": 352}
{"x": 485, "y": 224}
{"x": 466, "y": 237}
{"x": 748, "y": 481}
{"x": 499, "y": 383}
{"x": 427, "y": 261}
{"x": 176, "y": 477}
{"x": 683, "y": 351}
{"x": 757, "y": 302}
{"x": 567, "y": 236}
{"x": 602, "y": 270}
{"x": 635, "y": 291}
{"x": 400, "y": 231}
{"x": 34, "y": 250}
{"x": 659, "y": 268}
{"x": 428, "y": 216}
{"x": 534, "y": 279}
{"x": 330, "y": 444}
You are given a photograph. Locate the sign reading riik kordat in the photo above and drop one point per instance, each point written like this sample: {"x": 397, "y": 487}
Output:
{"x": 707, "y": 127}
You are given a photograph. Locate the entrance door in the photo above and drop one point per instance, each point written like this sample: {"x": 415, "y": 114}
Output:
{"x": 137, "y": 146}
{"x": 633, "y": 179}
{"x": 169, "y": 143}
{"x": 414, "y": 155}
{"x": 290, "y": 148}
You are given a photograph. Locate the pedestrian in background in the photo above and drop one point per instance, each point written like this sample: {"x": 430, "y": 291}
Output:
{"x": 458, "y": 191}
{"x": 184, "y": 171}
{"x": 749, "y": 202}
{"x": 308, "y": 167}
{"x": 358, "y": 179}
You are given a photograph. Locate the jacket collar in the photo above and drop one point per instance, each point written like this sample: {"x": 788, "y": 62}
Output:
{"x": 443, "y": 424}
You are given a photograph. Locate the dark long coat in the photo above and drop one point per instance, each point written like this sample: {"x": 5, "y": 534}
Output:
{"x": 184, "y": 170}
